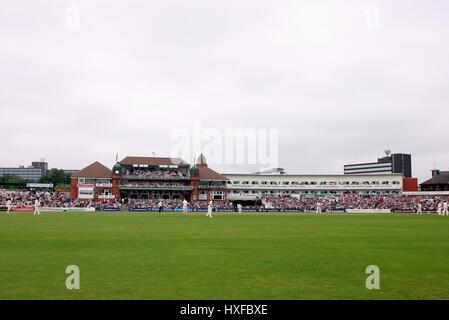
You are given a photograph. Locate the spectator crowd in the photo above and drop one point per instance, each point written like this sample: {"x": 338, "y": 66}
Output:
{"x": 399, "y": 203}
{"x": 355, "y": 201}
{"x": 151, "y": 173}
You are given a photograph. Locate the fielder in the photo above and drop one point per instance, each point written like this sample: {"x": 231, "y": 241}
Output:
{"x": 185, "y": 204}
{"x": 36, "y": 207}
{"x": 210, "y": 207}
{"x": 445, "y": 209}
{"x": 439, "y": 208}
{"x": 318, "y": 207}
{"x": 160, "y": 206}
{"x": 240, "y": 208}
{"x": 8, "y": 206}
{"x": 419, "y": 211}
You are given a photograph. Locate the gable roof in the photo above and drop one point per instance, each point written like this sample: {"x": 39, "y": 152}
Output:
{"x": 94, "y": 170}
{"x": 208, "y": 174}
{"x": 442, "y": 178}
{"x": 155, "y": 161}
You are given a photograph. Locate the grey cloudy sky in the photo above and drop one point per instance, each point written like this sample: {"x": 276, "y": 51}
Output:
{"x": 341, "y": 80}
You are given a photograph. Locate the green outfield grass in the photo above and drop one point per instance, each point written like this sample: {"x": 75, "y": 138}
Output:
{"x": 250, "y": 256}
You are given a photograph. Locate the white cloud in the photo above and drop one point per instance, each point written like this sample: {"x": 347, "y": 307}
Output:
{"x": 135, "y": 70}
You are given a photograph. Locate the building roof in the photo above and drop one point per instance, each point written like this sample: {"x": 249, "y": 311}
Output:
{"x": 208, "y": 174}
{"x": 201, "y": 160}
{"x": 95, "y": 170}
{"x": 153, "y": 161}
{"x": 441, "y": 178}
{"x": 368, "y": 175}
{"x": 271, "y": 171}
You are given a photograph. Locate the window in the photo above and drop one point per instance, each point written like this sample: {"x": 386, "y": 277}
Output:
{"x": 217, "y": 195}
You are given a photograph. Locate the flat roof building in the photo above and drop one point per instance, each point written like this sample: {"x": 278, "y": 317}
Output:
{"x": 32, "y": 173}
{"x": 397, "y": 163}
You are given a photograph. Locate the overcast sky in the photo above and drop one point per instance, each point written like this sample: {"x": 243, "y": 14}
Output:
{"x": 341, "y": 81}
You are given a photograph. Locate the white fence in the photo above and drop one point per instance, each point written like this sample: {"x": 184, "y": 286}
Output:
{"x": 63, "y": 209}
{"x": 368, "y": 210}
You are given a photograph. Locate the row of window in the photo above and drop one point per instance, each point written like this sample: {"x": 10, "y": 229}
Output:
{"x": 93, "y": 181}
{"x": 314, "y": 183}
{"x": 298, "y": 192}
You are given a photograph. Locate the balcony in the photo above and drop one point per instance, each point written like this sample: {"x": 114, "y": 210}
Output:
{"x": 216, "y": 187}
{"x": 154, "y": 187}
{"x": 103, "y": 185}
{"x": 106, "y": 196}
{"x": 314, "y": 187}
{"x": 155, "y": 177}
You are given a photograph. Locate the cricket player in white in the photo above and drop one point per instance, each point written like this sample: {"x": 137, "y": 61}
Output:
{"x": 240, "y": 208}
{"x": 8, "y": 206}
{"x": 185, "y": 206}
{"x": 36, "y": 207}
{"x": 160, "y": 206}
{"x": 419, "y": 211}
{"x": 209, "y": 209}
{"x": 439, "y": 208}
{"x": 445, "y": 209}
{"x": 318, "y": 207}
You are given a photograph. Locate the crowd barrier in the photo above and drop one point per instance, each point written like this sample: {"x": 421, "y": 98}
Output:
{"x": 368, "y": 210}
{"x": 65, "y": 209}
{"x": 18, "y": 209}
{"x": 73, "y": 209}
{"x": 261, "y": 210}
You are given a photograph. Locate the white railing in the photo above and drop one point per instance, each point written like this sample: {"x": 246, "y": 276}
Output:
{"x": 153, "y": 177}
{"x": 64, "y": 209}
{"x": 427, "y": 193}
{"x": 104, "y": 185}
{"x": 154, "y": 187}
{"x": 314, "y": 187}
{"x": 106, "y": 196}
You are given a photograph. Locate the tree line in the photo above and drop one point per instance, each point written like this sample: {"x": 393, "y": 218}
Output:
{"x": 56, "y": 176}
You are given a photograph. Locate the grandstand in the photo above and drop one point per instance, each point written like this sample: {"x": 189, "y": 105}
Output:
{"x": 152, "y": 178}
{"x": 252, "y": 186}
{"x": 140, "y": 183}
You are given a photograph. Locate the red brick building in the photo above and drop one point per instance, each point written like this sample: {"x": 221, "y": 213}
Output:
{"x": 211, "y": 184}
{"x": 149, "y": 178}
{"x": 410, "y": 185}
{"x": 438, "y": 182}
{"x": 92, "y": 183}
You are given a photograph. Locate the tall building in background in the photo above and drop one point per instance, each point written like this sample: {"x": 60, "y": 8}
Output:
{"x": 32, "y": 173}
{"x": 40, "y": 165}
{"x": 398, "y": 163}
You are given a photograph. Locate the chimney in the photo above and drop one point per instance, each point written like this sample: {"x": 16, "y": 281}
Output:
{"x": 435, "y": 172}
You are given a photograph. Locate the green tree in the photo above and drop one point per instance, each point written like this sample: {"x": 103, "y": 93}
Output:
{"x": 57, "y": 177}
{"x": 11, "y": 178}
